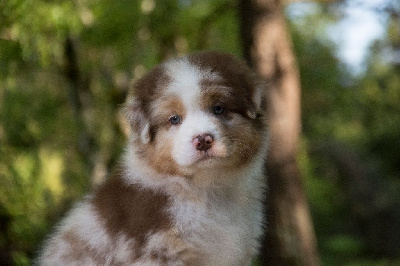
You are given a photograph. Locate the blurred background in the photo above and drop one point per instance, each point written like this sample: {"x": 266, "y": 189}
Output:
{"x": 66, "y": 66}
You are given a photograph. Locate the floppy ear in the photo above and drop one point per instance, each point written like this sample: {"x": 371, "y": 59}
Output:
{"x": 137, "y": 119}
{"x": 258, "y": 99}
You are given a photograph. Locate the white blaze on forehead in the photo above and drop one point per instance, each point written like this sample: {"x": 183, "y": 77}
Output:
{"x": 186, "y": 79}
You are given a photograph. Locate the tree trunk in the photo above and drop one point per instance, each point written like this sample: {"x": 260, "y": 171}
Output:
{"x": 290, "y": 238}
{"x": 77, "y": 87}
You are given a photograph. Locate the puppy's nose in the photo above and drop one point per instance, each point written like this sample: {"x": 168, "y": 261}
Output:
{"x": 203, "y": 142}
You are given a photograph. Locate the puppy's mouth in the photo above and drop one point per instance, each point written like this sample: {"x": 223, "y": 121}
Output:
{"x": 205, "y": 156}
{"x": 211, "y": 156}
{"x": 205, "y": 161}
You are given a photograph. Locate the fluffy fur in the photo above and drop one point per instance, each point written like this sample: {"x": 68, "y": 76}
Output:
{"x": 189, "y": 188}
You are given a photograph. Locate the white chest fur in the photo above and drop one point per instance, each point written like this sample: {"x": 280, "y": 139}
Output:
{"x": 223, "y": 223}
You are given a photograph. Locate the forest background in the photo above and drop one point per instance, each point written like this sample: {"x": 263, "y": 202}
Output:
{"x": 65, "y": 68}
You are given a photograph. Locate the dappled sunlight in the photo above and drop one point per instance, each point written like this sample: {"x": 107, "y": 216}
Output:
{"x": 148, "y": 6}
{"x": 24, "y": 166}
{"x": 52, "y": 166}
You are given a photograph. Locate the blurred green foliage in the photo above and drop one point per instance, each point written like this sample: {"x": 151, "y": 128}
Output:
{"x": 350, "y": 156}
{"x": 66, "y": 66}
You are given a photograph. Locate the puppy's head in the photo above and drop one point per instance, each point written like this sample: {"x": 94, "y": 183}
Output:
{"x": 203, "y": 111}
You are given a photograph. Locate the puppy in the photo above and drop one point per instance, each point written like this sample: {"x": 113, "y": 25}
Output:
{"x": 189, "y": 188}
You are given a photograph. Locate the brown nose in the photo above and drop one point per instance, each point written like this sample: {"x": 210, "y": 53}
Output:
{"x": 203, "y": 142}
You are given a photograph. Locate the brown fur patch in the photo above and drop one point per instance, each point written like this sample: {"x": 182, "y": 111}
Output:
{"x": 234, "y": 73}
{"x": 246, "y": 141}
{"x": 238, "y": 82}
{"x": 131, "y": 210}
{"x": 149, "y": 87}
{"x": 158, "y": 153}
{"x": 145, "y": 91}
{"x": 79, "y": 250}
{"x": 164, "y": 108}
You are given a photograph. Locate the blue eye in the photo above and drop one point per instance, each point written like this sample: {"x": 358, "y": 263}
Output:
{"x": 218, "y": 110}
{"x": 176, "y": 119}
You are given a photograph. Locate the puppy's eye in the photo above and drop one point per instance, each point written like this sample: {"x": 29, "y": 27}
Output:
{"x": 176, "y": 119}
{"x": 218, "y": 110}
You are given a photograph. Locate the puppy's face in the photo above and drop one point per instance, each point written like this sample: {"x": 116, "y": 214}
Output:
{"x": 203, "y": 111}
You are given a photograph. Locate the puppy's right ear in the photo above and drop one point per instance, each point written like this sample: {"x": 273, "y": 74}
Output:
{"x": 136, "y": 117}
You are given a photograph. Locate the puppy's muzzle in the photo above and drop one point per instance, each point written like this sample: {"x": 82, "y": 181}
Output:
{"x": 203, "y": 142}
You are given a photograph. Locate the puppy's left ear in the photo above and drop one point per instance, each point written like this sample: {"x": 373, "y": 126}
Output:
{"x": 258, "y": 99}
{"x": 137, "y": 119}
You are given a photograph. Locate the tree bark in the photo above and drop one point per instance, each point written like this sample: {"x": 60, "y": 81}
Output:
{"x": 290, "y": 238}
